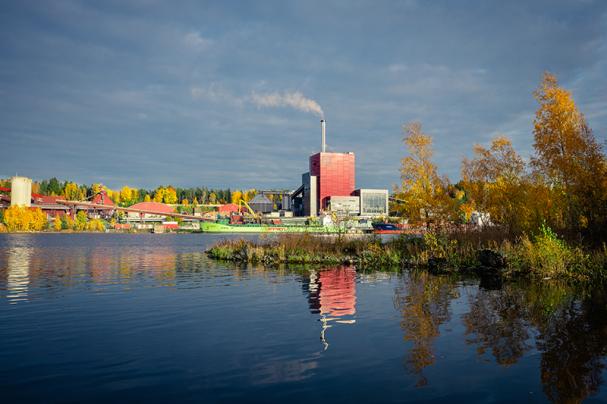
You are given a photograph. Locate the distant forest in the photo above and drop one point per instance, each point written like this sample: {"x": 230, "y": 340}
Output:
{"x": 127, "y": 196}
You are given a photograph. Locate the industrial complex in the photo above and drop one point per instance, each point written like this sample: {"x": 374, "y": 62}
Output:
{"x": 330, "y": 187}
{"x": 327, "y": 195}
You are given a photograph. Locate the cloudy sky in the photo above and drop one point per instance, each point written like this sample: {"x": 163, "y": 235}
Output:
{"x": 229, "y": 93}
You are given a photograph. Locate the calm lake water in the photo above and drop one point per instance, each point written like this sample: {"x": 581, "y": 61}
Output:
{"x": 106, "y": 317}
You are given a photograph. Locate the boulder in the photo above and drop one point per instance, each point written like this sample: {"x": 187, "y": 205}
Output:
{"x": 491, "y": 259}
{"x": 437, "y": 265}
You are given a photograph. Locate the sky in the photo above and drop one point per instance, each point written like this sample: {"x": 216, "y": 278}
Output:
{"x": 230, "y": 93}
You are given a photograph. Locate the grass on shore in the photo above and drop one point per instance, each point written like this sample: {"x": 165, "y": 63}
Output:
{"x": 542, "y": 255}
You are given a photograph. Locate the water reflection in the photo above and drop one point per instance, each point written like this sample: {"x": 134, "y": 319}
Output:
{"x": 423, "y": 301}
{"x": 332, "y": 294}
{"x": 28, "y": 268}
{"x": 573, "y": 345}
{"x": 498, "y": 321}
{"x": 18, "y": 273}
{"x": 569, "y": 330}
{"x": 551, "y": 336}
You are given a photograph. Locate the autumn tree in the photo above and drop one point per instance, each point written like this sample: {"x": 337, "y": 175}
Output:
{"x": 71, "y": 192}
{"x": 422, "y": 190}
{"x": 21, "y": 218}
{"x": 67, "y": 223}
{"x": 81, "y": 220}
{"x": 568, "y": 156}
{"x": 96, "y": 188}
{"x": 236, "y": 197}
{"x": 170, "y": 195}
{"x": 159, "y": 194}
{"x": 57, "y": 225}
{"x": 495, "y": 182}
{"x": 147, "y": 198}
{"x": 128, "y": 196}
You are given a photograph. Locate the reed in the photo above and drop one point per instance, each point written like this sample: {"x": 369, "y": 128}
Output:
{"x": 543, "y": 255}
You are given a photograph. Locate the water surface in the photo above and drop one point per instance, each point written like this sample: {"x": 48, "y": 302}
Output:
{"x": 99, "y": 317}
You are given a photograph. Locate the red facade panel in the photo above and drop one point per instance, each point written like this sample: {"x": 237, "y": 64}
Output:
{"x": 335, "y": 174}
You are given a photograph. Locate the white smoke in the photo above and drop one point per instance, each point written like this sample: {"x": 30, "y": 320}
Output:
{"x": 295, "y": 100}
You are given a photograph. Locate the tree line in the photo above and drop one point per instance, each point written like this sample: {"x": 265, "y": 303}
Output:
{"x": 563, "y": 185}
{"x": 127, "y": 196}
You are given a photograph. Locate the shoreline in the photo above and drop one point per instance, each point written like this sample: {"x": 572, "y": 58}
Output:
{"x": 543, "y": 257}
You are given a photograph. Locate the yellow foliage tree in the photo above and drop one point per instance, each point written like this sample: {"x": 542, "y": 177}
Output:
{"x": 81, "y": 221}
{"x": 248, "y": 194}
{"x": 39, "y": 219}
{"x": 568, "y": 155}
{"x": 236, "y": 197}
{"x": 95, "y": 225}
{"x": 495, "y": 182}
{"x": 170, "y": 195}
{"x": 57, "y": 225}
{"x": 195, "y": 201}
{"x": 68, "y": 222}
{"x": 96, "y": 188}
{"x": 422, "y": 190}
{"x": 128, "y": 195}
{"x": 159, "y": 194}
{"x": 185, "y": 202}
{"x": 20, "y": 218}
{"x": 147, "y": 198}
{"x": 71, "y": 192}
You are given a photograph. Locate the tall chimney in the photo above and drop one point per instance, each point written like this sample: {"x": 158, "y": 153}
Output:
{"x": 323, "y": 130}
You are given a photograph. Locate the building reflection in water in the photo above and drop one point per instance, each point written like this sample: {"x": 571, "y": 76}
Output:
{"x": 160, "y": 263}
{"x": 332, "y": 294}
{"x": 18, "y": 273}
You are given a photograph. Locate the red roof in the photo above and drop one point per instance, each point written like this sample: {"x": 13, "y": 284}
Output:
{"x": 3, "y": 189}
{"x": 228, "y": 208}
{"x": 102, "y": 199}
{"x": 153, "y": 206}
{"x": 45, "y": 199}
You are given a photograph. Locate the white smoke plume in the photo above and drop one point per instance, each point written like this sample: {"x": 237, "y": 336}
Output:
{"x": 295, "y": 100}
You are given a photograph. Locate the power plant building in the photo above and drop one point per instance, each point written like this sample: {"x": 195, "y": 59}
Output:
{"x": 330, "y": 186}
{"x": 335, "y": 175}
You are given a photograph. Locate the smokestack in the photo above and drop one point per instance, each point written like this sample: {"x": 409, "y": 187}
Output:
{"x": 323, "y": 130}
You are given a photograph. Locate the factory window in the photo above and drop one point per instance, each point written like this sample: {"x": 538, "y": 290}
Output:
{"x": 374, "y": 203}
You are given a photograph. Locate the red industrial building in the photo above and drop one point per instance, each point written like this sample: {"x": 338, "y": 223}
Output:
{"x": 335, "y": 176}
{"x": 330, "y": 186}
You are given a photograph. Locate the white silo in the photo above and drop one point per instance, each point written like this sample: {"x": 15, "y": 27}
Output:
{"x": 21, "y": 191}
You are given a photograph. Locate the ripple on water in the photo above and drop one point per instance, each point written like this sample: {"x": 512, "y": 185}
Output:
{"x": 132, "y": 317}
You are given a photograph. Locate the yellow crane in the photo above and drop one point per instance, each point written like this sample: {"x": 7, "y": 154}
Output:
{"x": 249, "y": 209}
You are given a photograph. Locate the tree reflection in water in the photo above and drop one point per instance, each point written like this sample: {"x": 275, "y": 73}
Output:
{"x": 424, "y": 302}
{"x": 573, "y": 345}
{"x": 498, "y": 321}
{"x": 571, "y": 334}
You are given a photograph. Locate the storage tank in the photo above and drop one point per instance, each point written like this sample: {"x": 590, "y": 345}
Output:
{"x": 21, "y": 191}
